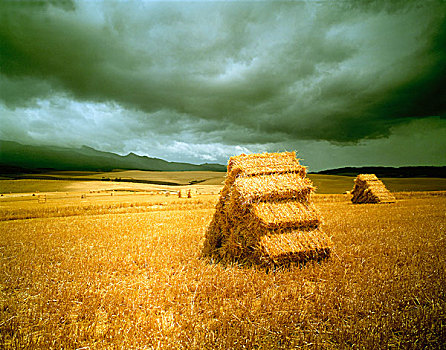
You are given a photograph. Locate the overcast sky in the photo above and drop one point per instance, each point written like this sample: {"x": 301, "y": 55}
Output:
{"x": 343, "y": 83}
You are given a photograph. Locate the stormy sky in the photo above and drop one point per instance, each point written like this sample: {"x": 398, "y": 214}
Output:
{"x": 343, "y": 83}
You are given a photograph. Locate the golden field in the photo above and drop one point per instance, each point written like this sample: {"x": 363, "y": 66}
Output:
{"x": 88, "y": 268}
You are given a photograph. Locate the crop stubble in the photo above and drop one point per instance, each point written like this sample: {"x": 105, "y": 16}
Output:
{"x": 136, "y": 280}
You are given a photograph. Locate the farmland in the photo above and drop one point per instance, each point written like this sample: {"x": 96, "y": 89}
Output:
{"x": 109, "y": 265}
{"x": 202, "y": 181}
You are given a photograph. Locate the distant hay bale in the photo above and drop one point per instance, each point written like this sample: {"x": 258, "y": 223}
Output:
{"x": 264, "y": 214}
{"x": 369, "y": 189}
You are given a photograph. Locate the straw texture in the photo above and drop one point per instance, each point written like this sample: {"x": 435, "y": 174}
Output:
{"x": 264, "y": 214}
{"x": 369, "y": 189}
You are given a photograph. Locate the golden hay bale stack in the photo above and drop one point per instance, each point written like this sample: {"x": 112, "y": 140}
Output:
{"x": 369, "y": 189}
{"x": 264, "y": 214}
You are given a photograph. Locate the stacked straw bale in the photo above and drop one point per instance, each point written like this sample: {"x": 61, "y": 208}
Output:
{"x": 264, "y": 214}
{"x": 369, "y": 189}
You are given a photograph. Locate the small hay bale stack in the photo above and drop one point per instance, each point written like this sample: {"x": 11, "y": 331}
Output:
{"x": 264, "y": 214}
{"x": 369, "y": 189}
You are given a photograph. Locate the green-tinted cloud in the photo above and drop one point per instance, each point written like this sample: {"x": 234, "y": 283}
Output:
{"x": 235, "y": 73}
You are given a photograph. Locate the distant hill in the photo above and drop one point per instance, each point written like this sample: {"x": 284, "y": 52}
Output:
{"x": 18, "y": 158}
{"x": 406, "y": 171}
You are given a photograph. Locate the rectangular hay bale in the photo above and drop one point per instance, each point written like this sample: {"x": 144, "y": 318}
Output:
{"x": 304, "y": 244}
{"x": 286, "y": 214}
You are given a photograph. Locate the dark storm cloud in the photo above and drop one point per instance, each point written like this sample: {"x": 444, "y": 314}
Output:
{"x": 230, "y": 73}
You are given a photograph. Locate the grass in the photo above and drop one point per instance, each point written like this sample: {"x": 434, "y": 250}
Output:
{"x": 18, "y": 211}
{"x": 330, "y": 184}
{"x": 29, "y": 186}
{"x": 130, "y": 279}
{"x": 203, "y": 181}
{"x": 174, "y": 177}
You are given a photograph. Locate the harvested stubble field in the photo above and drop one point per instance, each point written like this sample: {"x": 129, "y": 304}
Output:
{"x": 133, "y": 278}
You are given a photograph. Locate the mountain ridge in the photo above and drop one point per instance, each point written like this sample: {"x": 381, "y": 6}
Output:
{"x": 18, "y": 157}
